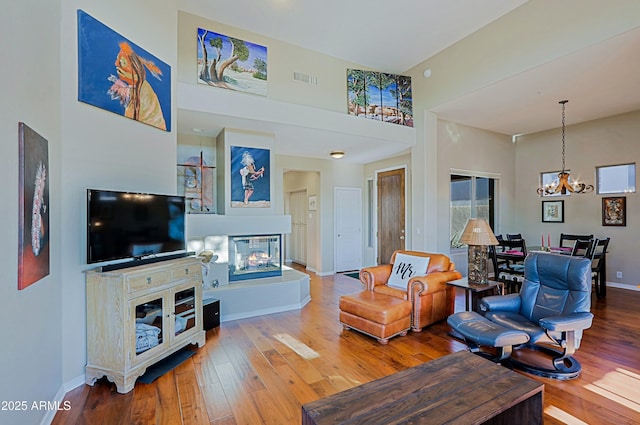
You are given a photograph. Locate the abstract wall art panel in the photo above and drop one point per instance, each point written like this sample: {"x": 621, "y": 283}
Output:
{"x": 33, "y": 209}
{"x": 196, "y": 178}
{"x": 119, "y": 76}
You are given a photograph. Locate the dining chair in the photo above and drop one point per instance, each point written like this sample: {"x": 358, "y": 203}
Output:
{"x": 514, "y": 236}
{"x": 500, "y": 239}
{"x": 498, "y": 265}
{"x": 583, "y": 248}
{"x": 567, "y": 240}
{"x": 598, "y": 263}
{"x": 515, "y": 246}
{"x": 509, "y": 264}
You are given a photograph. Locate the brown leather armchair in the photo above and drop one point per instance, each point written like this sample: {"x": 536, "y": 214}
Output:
{"x": 431, "y": 298}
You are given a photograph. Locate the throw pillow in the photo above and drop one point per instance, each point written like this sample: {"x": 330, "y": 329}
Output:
{"x": 405, "y": 267}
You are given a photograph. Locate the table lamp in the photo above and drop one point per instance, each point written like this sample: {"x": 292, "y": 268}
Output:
{"x": 478, "y": 235}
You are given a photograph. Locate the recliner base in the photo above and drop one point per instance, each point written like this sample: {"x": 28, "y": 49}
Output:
{"x": 565, "y": 367}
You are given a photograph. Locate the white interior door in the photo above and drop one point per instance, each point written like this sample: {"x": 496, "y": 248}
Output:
{"x": 348, "y": 228}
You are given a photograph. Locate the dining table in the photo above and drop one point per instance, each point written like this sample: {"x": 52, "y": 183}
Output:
{"x": 601, "y": 290}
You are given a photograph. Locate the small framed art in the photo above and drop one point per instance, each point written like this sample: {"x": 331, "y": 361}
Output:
{"x": 553, "y": 211}
{"x": 313, "y": 203}
{"x": 614, "y": 211}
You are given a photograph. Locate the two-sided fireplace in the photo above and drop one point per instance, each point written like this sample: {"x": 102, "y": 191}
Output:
{"x": 254, "y": 256}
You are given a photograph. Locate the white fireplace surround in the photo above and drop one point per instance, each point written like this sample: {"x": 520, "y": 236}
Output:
{"x": 211, "y": 232}
{"x": 200, "y": 226}
{"x": 251, "y": 297}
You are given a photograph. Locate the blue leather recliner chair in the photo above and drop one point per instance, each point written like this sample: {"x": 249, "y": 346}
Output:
{"x": 552, "y": 307}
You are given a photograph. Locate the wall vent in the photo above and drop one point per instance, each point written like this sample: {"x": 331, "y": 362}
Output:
{"x": 305, "y": 78}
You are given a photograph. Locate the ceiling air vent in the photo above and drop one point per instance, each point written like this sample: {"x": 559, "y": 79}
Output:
{"x": 305, "y": 78}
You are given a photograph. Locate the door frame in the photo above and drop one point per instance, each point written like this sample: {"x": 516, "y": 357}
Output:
{"x": 407, "y": 224}
{"x": 289, "y": 236}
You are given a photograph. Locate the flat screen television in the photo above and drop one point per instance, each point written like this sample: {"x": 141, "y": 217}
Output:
{"x": 124, "y": 225}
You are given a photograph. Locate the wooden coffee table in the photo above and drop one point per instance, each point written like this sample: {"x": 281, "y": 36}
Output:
{"x": 460, "y": 388}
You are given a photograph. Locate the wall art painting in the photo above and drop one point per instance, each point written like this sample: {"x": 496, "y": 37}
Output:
{"x": 380, "y": 96}
{"x": 614, "y": 211}
{"x": 231, "y": 63}
{"x": 553, "y": 211}
{"x": 250, "y": 178}
{"x": 313, "y": 203}
{"x": 33, "y": 210}
{"x": 119, "y": 76}
{"x": 196, "y": 178}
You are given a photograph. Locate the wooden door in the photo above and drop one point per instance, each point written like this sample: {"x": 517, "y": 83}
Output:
{"x": 391, "y": 213}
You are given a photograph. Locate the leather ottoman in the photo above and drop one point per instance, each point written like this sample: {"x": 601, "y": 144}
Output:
{"x": 378, "y": 315}
{"x": 479, "y": 331}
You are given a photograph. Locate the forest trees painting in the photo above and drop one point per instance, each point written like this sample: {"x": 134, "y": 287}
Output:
{"x": 380, "y": 96}
{"x": 231, "y": 63}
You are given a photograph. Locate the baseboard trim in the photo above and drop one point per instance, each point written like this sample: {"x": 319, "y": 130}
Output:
{"x": 279, "y": 309}
{"x": 623, "y": 286}
{"x": 59, "y": 397}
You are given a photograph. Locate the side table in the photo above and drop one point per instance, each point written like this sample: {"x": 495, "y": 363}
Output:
{"x": 473, "y": 292}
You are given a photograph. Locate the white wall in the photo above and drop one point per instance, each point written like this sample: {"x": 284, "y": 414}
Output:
{"x": 370, "y": 170}
{"x": 309, "y": 181}
{"x": 284, "y": 59}
{"x": 31, "y": 331}
{"x": 608, "y": 141}
{"x": 92, "y": 148}
{"x": 333, "y": 173}
{"x": 105, "y": 150}
{"x": 479, "y": 151}
{"x": 526, "y": 37}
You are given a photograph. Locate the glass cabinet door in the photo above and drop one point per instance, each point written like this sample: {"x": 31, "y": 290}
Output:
{"x": 149, "y": 313}
{"x": 184, "y": 310}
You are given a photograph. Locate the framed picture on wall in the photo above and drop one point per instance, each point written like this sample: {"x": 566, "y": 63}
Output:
{"x": 553, "y": 211}
{"x": 250, "y": 174}
{"x": 117, "y": 75}
{"x": 614, "y": 211}
{"x": 313, "y": 203}
{"x": 33, "y": 207}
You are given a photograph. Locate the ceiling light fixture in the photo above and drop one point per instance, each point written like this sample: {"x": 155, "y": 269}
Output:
{"x": 564, "y": 182}
{"x": 336, "y": 154}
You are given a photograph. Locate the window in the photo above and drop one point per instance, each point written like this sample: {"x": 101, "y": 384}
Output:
{"x": 616, "y": 178}
{"x": 471, "y": 196}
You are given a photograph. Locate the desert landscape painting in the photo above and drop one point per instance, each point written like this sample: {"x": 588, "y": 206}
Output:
{"x": 231, "y": 63}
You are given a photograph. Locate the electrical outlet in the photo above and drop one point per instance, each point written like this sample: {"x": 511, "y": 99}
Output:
{"x": 619, "y": 275}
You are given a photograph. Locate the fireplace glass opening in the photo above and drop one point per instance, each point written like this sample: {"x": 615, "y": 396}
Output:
{"x": 253, "y": 257}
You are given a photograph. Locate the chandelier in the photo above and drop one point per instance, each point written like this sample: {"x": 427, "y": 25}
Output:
{"x": 564, "y": 182}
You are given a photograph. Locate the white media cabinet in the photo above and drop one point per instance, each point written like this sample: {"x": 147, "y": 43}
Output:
{"x": 138, "y": 315}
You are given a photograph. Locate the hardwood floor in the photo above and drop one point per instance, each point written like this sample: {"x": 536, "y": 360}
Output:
{"x": 261, "y": 370}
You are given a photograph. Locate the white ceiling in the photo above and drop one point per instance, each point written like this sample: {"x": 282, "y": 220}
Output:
{"x": 599, "y": 81}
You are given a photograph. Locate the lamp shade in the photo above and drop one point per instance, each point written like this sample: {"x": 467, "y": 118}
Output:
{"x": 478, "y": 232}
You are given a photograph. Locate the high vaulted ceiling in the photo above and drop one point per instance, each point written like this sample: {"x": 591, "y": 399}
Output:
{"x": 367, "y": 32}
